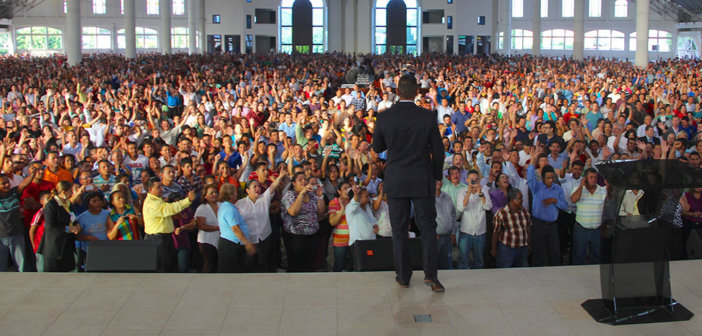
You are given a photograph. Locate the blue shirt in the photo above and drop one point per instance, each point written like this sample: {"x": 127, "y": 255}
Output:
{"x": 459, "y": 119}
{"x": 93, "y": 225}
{"x": 557, "y": 163}
{"x": 539, "y": 193}
{"x": 234, "y": 159}
{"x": 228, "y": 216}
{"x": 288, "y": 129}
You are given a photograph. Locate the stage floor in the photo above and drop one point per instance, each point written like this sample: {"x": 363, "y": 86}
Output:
{"x": 526, "y": 301}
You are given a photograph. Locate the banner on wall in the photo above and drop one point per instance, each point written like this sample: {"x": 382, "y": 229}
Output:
{"x": 689, "y": 44}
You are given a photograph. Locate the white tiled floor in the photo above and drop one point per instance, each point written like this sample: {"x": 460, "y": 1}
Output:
{"x": 529, "y": 301}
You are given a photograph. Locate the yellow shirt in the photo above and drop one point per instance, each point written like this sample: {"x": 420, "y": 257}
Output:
{"x": 157, "y": 214}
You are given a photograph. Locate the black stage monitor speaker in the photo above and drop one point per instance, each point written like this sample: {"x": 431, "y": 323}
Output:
{"x": 376, "y": 255}
{"x": 122, "y": 256}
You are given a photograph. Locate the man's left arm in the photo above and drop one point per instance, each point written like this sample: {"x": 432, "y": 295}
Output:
{"x": 437, "y": 152}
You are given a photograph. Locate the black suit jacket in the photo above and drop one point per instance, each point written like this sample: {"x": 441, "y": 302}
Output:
{"x": 415, "y": 154}
{"x": 656, "y": 140}
{"x": 55, "y": 238}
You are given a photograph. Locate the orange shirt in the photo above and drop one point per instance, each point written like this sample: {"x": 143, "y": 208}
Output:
{"x": 61, "y": 175}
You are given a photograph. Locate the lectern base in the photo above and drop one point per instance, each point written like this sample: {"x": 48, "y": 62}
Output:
{"x": 603, "y": 311}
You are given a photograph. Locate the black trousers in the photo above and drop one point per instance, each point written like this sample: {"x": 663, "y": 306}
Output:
{"x": 425, "y": 217}
{"x": 566, "y": 222}
{"x": 300, "y": 251}
{"x": 545, "y": 242}
{"x": 209, "y": 257}
{"x": 167, "y": 255}
{"x": 260, "y": 262}
{"x": 66, "y": 263}
{"x": 231, "y": 257}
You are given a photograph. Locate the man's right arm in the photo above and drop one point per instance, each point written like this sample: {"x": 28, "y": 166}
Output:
{"x": 379, "y": 145}
{"x": 164, "y": 209}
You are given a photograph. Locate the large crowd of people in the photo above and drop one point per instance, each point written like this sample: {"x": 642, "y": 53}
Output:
{"x": 257, "y": 163}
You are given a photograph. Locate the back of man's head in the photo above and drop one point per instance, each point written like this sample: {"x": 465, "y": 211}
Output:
{"x": 407, "y": 87}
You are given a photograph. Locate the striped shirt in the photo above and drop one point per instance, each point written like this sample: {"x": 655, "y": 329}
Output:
{"x": 512, "y": 227}
{"x": 588, "y": 211}
{"x": 340, "y": 235}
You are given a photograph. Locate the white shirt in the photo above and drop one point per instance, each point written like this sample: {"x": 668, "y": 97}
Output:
{"x": 208, "y": 237}
{"x": 361, "y": 222}
{"x": 97, "y": 134}
{"x": 383, "y": 218}
{"x": 569, "y": 184}
{"x": 630, "y": 203}
{"x": 383, "y": 105}
{"x": 256, "y": 215}
{"x": 473, "y": 220}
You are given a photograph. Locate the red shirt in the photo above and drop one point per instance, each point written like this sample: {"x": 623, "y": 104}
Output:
{"x": 33, "y": 190}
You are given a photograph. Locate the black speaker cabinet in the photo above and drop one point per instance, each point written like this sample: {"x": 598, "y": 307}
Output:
{"x": 376, "y": 255}
{"x": 122, "y": 256}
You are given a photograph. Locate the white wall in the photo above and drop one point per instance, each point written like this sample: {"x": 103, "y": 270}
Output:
{"x": 606, "y": 21}
{"x": 349, "y": 22}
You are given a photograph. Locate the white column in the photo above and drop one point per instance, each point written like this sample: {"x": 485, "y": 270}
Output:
{"x": 642, "y": 18}
{"x": 192, "y": 25}
{"x": 495, "y": 27}
{"x": 579, "y": 30}
{"x": 73, "y": 34}
{"x": 130, "y": 29}
{"x": 508, "y": 28}
{"x": 536, "y": 28}
{"x": 201, "y": 27}
{"x": 165, "y": 33}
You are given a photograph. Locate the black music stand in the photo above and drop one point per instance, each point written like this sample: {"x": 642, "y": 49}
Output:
{"x": 635, "y": 273}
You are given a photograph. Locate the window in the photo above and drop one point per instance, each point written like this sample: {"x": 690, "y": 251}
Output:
{"x": 152, "y": 7}
{"x": 146, "y": 38}
{"x": 557, "y": 39}
{"x": 65, "y": 6}
{"x": 38, "y": 38}
{"x": 501, "y": 40}
{"x": 96, "y": 38}
{"x": 449, "y": 22}
{"x": 568, "y": 8}
{"x": 658, "y": 40}
{"x": 380, "y": 35}
{"x": 604, "y": 39}
{"x": 318, "y": 27}
{"x": 99, "y": 7}
{"x": 595, "y": 9}
{"x": 179, "y": 7}
{"x": 248, "y": 21}
{"x": 481, "y": 20}
{"x": 121, "y": 7}
{"x": 216, "y": 19}
{"x": 180, "y": 39}
{"x": 544, "y": 8}
{"x": 517, "y": 8}
{"x": 621, "y": 8}
{"x": 249, "y": 44}
{"x": 522, "y": 39}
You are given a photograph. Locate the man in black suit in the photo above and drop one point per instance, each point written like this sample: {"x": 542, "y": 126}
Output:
{"x": 415, "y": 156}
{"x": 650, "y": 136}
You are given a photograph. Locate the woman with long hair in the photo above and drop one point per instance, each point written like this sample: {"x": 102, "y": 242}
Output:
{"x": 58, "y": 244}
{"x": 208, "y": 228}
{"x": 123, "y": 223}
{"x": 301, "y": 207}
